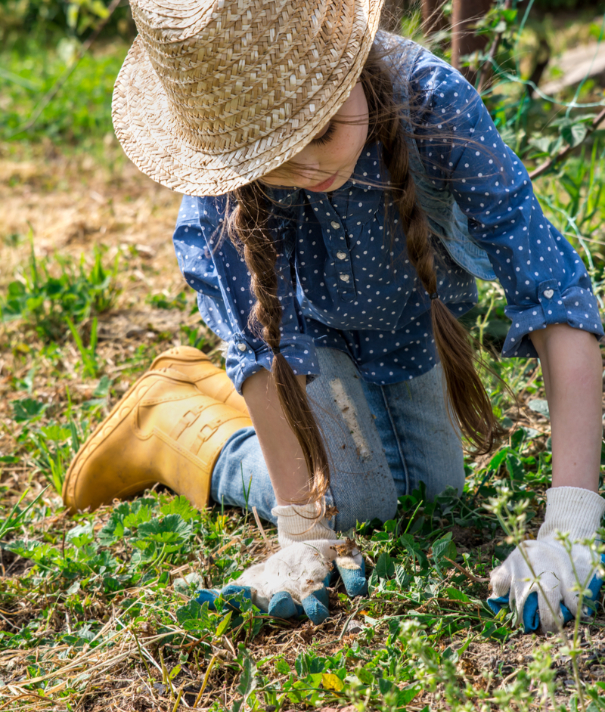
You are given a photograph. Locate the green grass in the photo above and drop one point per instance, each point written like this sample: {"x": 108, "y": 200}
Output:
{"x": 112, "y": 575}
{"x": 52, "y": 293}
{"x": 81, "y": 110}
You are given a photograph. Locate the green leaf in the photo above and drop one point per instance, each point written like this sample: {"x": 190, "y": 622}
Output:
{"x": 406, "y": 695}
{"x": 403, "y": 578}
{"x": 384, "y": 686}
{"x": 542, "y": 143}
{"x": 409, "y": 543}
{"x": 574, "y": 134}
{"x": 247, "y": 682}
{"x": 113, "y": 531}
{"x": 81, "y": 535}
{"x": 282, "y": 667}
{"x": 385, "y": 566}
{"x": 539, "y": 405}
{"x": 137, "y": 517}
{"x": 444, "y": 548}
{"x": 9, "y": 460}
{"x": 27, "y": 409}
{"x": 181, "y": 506}
{"x": 74, "y": 588}
{"x": 365, "y": 676}
{"x": 192, "y": 616}
{"x": 515, "y": 467}
{"x": 497, "y": 460}
{"x": 102, "y": 389}
{"x": 223, "y": 625}
{"x": 456, "y": 595}
{"x": 169, "y": 530}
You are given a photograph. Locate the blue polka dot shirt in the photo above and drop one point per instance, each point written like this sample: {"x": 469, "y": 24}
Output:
{"x": 345, "y": 280}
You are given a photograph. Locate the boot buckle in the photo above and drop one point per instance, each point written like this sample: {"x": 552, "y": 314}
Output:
{"x": 205, "y": 434}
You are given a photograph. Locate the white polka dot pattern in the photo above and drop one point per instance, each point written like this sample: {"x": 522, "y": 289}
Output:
{"x": 346, "y": 280}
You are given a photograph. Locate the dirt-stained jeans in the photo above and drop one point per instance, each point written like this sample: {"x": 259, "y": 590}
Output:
{"x": 382, "y": 442}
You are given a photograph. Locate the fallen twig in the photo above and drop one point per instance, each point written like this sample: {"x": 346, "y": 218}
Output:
{"x": 468, "y": 574}
{"x": 346, "y": 625}
{"x": 25, "y": 694}
{"x": 262, "y": 531}
{"x": 205, "y": 682}
{"x": 487, "y": 65}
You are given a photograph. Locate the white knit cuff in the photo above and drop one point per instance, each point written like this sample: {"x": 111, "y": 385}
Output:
{"x": 301, "y": 523}
{"x": 574, "y": 510}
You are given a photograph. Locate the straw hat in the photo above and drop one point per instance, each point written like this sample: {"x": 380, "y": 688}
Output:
{"x": 216, "y": 93}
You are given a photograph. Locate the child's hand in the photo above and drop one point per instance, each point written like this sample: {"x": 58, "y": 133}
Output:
{"x": 513, "y": 583}
{"x": 294, "y": 580}
{"x": 544, "y": 580}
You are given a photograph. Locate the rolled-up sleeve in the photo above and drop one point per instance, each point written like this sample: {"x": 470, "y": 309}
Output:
{"x": 544, "y": 278}
{"x": 219, "y": 275}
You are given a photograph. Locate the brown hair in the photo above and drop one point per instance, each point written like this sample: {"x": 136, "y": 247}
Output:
{"x": 247, "y": 227}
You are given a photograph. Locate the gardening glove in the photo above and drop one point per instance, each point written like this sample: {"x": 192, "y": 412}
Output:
{"x": 293, "y": 581}
{"x": 573, "y": 511}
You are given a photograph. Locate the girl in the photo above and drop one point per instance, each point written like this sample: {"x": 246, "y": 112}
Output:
{"x": 343, "y": 188}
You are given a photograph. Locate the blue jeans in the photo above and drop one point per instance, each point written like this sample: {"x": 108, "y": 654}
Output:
{"x": 383, "y": 441}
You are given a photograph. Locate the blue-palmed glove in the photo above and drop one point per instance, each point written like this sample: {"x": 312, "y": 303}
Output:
{"x": 293, "y": 581}
{"x": 573, "y": 511}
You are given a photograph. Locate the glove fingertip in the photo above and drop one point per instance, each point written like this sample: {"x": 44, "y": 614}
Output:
{"x": 595, "y": 587}
{"x": 355, "y": 583}
{"x": 531, "y": 613}
{"x": 315, "y": 606}
{"x": 497, "y": 603}
{"x": 567, "y": 614}
{"x": 322, "y": 595}
{"x": 354, "y": 579}
{"x": 282, "y": 606}
{"x": 207, "y": 595}
{"x": 500, "y": 581}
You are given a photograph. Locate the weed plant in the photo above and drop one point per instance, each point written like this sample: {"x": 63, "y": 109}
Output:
{"x": 51, "y": 304}
{"x": 123, "y": 578}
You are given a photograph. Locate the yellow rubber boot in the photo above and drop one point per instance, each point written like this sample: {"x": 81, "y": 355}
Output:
{"x": 163, "y": 430}
{"x": 198, "y": 368}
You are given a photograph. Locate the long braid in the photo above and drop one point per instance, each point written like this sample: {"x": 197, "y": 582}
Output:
{"x": 471, "y": 404}
{"x": 247, "y": 228}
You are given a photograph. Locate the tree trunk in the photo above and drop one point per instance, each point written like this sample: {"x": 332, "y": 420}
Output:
{"x": 432, "y": 16}
{"x": 464, "y": 16}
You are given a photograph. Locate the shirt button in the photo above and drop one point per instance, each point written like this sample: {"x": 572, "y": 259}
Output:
{"x": 334, "y": 224}
{"x": 344, "y": 277}
{"x": 548, "y": 293}
{"x": 341, "y": 255}
{"x": 242, "y": 347}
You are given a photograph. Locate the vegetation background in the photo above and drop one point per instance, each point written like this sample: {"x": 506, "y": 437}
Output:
{"x": 96, "y": 610}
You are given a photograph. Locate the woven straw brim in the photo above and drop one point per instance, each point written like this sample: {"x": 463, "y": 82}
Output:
{"x": 159, "y": 142}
